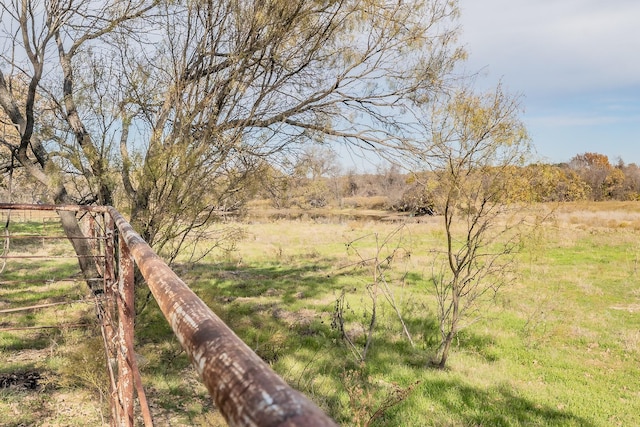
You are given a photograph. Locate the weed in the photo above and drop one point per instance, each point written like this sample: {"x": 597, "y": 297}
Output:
{"x": 368, "y": 402}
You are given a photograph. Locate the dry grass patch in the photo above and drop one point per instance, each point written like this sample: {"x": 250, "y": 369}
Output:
{"x": 602, "y": 215}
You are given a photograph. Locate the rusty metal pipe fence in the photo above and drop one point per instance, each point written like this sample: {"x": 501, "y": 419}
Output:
{"x": 243, "y": 387}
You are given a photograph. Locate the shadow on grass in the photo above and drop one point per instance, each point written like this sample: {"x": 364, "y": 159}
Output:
{"x": 29, "y": 275}
{"x": 496, "y": 406}
{"x": 246, "y": 298}
{"x": 17, "y": 341}
{"x": 223, "y": 281}
{"x": 273, "y": 309}
{"x": 33, "y": 295}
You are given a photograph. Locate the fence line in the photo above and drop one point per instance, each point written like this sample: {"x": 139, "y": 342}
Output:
{"x": 243, "y": 387}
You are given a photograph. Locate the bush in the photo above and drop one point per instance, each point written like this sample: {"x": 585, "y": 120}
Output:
{"x": 373, "y": 202}
{"x": 416, "y": 200}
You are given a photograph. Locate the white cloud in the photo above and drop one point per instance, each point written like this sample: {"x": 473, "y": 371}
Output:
{"x": 544, "y": 46}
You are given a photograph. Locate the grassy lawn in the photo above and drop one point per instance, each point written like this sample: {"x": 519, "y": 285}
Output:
{"x": 560, "y": 346}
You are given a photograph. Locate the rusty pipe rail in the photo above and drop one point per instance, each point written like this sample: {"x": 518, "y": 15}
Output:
{"x": 244, "y": 388}
{"x": 66, "y": 208}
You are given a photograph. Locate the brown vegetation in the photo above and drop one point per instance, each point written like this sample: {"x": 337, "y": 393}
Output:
{"x": 587, "y": 177}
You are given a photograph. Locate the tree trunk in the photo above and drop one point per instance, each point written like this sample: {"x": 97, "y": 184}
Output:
{"x": 444, "y": 354}
{"x": 82, "y": 249}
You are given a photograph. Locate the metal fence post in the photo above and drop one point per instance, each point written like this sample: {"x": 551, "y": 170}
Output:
{"x": 126, "y": 313}
{"x": 243, "y": 387}
{"x": 106, "y": 310}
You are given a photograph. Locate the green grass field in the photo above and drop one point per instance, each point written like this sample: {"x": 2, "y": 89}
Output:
{"x": 559, "y": 346}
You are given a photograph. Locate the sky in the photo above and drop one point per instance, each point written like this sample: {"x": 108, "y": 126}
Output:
{"x": 575, "y": 64}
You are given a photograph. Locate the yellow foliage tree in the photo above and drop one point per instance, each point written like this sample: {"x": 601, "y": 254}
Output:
{"x": 476, "y": 148}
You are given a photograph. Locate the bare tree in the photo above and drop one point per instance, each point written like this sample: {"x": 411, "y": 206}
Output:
{"x": 31, "y": 30}
{"x": 476, "y": 144}
{"x": 167, "y": 109}
{"x": 249, "y": 80}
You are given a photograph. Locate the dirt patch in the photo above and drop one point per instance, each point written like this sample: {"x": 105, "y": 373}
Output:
{"x": 631, "y": 308}
{"x": 302, "y": 317}
{"x": 21, "y": 380}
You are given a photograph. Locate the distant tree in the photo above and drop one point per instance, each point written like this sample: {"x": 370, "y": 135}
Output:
{"x": 594, "y": 168}
{"x": 631, "y": 186}
{"x": 351, "y": 185}
{"x": 417, "y": 196}
{"x": 314, "y": 176}
{"x": 475, "y": 144}
{"x": 555, "y": 183}
{"x": 316, "y": 162}
{"x": 275, "y": 186}
{"x": 391, "y": 183}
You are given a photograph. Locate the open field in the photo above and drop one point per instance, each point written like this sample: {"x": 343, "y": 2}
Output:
{"x": 560, "y": 346}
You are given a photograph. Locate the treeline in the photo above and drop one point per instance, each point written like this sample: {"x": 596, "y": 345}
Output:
{"x": 316, "y": 181}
